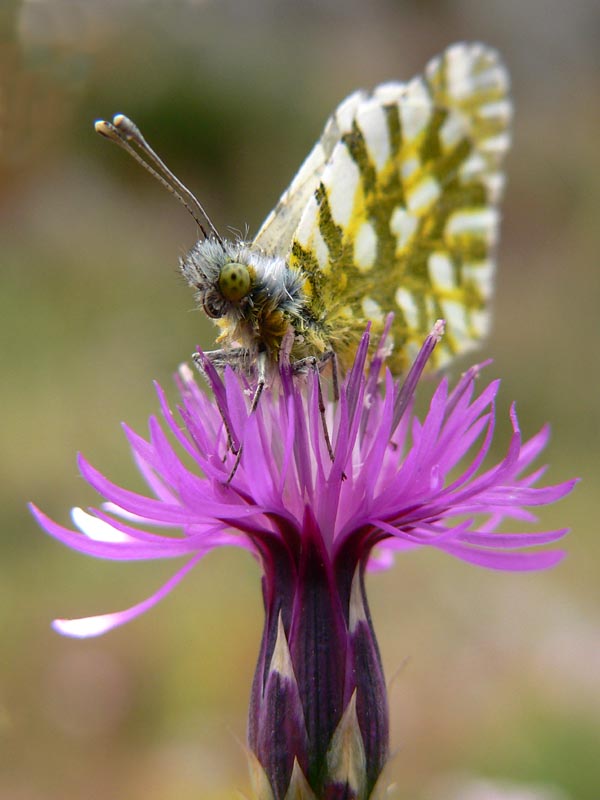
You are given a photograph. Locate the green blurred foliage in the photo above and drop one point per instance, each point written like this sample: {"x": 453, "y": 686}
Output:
{"x": 491, "y": 674}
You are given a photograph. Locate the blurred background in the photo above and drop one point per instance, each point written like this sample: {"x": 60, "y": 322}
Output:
{"x": 495, "y": 678}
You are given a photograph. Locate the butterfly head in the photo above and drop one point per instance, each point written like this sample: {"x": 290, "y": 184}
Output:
{"x": 221, "y": 277}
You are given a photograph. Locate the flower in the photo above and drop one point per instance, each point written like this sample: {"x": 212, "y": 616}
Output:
{"x": 318, "y": 721}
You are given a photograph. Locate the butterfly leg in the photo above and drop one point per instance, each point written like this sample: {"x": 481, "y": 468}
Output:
{"x": 321, "y": 362}
{"x": 317, "y": 363}
{"x": 335, "y": 384}
{"x": 261, "y": 366}
{"x": 238, "y": 360}
{"x": 220, "y": 359}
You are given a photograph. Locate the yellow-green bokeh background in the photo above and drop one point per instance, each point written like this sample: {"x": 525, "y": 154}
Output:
{"x": 494, "y": 675}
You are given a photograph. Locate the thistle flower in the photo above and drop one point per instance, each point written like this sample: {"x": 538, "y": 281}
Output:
{"x": 318, "y": 720}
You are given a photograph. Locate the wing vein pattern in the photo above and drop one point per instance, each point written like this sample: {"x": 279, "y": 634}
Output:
{"x": 396, "y": 207}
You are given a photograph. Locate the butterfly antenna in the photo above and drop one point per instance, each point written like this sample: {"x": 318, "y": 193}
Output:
{"x": 124, "y": 132}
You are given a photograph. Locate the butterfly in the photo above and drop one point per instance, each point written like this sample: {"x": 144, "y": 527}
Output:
{"x": 395, "y": 209}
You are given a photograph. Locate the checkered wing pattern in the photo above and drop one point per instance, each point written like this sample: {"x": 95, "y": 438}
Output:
{"x": 395, "y": 208}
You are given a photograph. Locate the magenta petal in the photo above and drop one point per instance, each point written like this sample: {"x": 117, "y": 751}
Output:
{"x": 515, "y": 562}
{"x": 512, "y": 540}
{"x": 113, "y": 550}
{"x": 396, "y": 479}
{"x": 131, "y": 501}
{"x": 87, "y": 627}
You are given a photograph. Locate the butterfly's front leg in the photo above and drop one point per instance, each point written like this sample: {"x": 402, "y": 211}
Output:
{"x": 317, "y": 363}
{"x": 238, "y": 359}
{"x": 220, "y": 359}
{"x": 261, "y": 379}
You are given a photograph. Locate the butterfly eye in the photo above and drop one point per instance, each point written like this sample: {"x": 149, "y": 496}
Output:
{"x": 234, "y": 281}
{"x": 211, "y": 308}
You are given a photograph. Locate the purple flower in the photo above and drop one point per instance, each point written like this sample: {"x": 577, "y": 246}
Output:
{"x": 318, "y": 722}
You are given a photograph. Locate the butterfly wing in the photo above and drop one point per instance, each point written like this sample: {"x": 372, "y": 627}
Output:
{"x": 401, "y": 212}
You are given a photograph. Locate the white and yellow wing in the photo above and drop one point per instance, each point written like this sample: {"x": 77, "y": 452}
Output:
{"x": 399, "y": 206}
